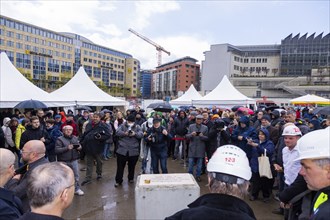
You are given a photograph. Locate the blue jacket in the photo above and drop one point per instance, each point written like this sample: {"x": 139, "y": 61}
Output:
{"x": 54, "y": 133}
{"x": 247, "y": 132}
{"x": 10, "y": 205}
{"x": 260, "y": 149}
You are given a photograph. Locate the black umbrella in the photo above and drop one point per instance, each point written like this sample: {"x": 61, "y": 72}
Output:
{"x": 236, "y": 107}
{"x": 154, "y": 104}
{"x": 83, "y": 107}
{"x": 272, "y": 108}
{"x": 322, "y": 110}
{"x": 107, "y": 111}
{"x": 162, "y": 107}
{"x": 31, "y": 104}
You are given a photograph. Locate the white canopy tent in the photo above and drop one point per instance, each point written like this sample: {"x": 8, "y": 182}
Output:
{"x": 310, "y": 99}
{"x": 81, "y": 90}
{"x": 187, "y": 97}
{"x": 224, "y": 95}
{"x": 16, "y": 88}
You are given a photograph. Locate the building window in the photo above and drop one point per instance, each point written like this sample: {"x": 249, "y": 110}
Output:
{"x": 258, "y": 94}
{"x": 10, "y": 43}
{"x": 23, "y": 60}
{"x": 66, "y": 67}
{"x": 253, "y": 60}
{"x": 97, "y": 72}
{"x": 259, "y": 85}
{"x": 264, "y": 60}
{"x": 259, "y": 60}
{"x": 246, "y": 60}
{"x": 88, "y": 70}
{"x": 120, "y": 76}
{"x": 19, "y": 45}
{"x": 10, "y": 34}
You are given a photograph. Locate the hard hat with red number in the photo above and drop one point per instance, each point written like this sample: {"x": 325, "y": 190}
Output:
{"x": 314, "y": 145}
{"x": 291, "y": 130}
{"x": 231, "y": 160}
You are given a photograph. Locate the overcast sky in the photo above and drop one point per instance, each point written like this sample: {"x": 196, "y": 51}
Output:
{"x": 185, "y": 28}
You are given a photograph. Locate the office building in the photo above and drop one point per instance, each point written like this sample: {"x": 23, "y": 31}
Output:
{"x": 49, "y": 58}
{"x": 296, "y": 67}
{"x": 170, "y": 78}
{"x": 145, "y": 83}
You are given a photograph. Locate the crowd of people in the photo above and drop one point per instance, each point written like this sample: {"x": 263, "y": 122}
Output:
{"x": 190, "y": 136}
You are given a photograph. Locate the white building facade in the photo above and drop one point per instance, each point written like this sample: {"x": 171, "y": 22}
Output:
{"x": 164, "y": 83}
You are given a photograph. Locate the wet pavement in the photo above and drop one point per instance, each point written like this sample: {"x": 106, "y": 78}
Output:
{"x": 103, "y": 201}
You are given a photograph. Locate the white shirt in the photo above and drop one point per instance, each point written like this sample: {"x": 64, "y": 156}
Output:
{"x": 291, "y": 167}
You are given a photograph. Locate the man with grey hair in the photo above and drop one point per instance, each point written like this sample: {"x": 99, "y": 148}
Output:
{"x": 67, "y": 149}
{"x": 228, "y": 176}
{"x": 50, "y": 191}
{"x": 33, "y": 155}
{"x": 314, "y": 156}
{"x": 10, "y": 205}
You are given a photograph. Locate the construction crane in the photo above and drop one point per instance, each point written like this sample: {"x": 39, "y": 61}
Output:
{"x": 158, "y": 47}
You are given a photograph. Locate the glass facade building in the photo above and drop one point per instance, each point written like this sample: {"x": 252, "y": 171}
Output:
{"x": 50, "y": 58}
{"x": 299, "y": 55}
{"x": 145, "y": 83}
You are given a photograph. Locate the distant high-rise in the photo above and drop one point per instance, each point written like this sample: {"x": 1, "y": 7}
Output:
{"x": 145, "y": 83}
{"x": 170, "y": 78}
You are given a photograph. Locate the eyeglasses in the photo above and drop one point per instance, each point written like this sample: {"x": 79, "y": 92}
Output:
{"x": 25, "y": 152}
{"x": 68, "y": 187}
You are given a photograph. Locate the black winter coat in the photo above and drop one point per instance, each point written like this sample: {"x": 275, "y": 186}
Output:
{"x": 213, "y": 140}
{"x": 297, "y": 187}
{"x": 215, "y": 206}
{"x": 160, "y": 140}
{"x": 90, "y": 142}
{"x": 34, "y": 134}
{"x": 19, "y": 186}
{"x": 181, "y": 126}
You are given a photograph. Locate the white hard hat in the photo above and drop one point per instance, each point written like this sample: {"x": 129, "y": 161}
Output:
{"x": 229, "y": 159}
{"x": 314, "y": 145}
{"x": 291, "y": 130}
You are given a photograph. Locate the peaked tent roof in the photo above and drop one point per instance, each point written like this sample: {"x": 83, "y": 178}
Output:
{"x": 81, "y": 90}
{"x": 225, "y": 94}
{"x": 187, "y": 97}
{"x": 16, "y": 88}
{"x": 310, "y": 99}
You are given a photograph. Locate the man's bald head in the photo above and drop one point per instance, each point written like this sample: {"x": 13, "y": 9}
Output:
{"x": 33, "y": 150}
{"x": 35, "y": 146}
{"x": 7, "y": 158}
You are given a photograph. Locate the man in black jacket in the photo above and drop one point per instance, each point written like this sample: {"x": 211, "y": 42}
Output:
{"x": 35, "y": 132}
{"x": 33, "y": 155}
{"x": 93, "y": 141}
{"x": 181, "y": 124}
{"x": 218, "y": 136}
{"x": 228, "y": 176}
{"x": 10, "y": 205}
{"x": 157, "y": 137}
{"x": 314, "y": 156}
